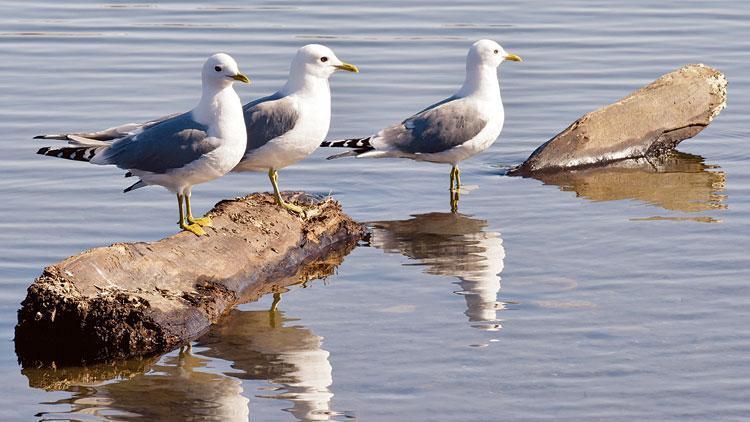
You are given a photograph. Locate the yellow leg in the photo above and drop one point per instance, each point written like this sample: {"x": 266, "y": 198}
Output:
{"x": 458, "y": 178}
{"x": 203, "y": 221}
{"x": 453, "y": 179}
{"x": 274, "y": 176}
{"x": 454, "y": 202}
{"x": 194, "y": 228}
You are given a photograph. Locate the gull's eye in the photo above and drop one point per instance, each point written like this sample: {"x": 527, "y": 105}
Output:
{"x": 497, "y": 51}
{"x": 217, "y": 68}
{"x": 324, "y": 59}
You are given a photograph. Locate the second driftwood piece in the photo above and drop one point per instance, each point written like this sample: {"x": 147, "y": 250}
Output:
{"x": 138, "y": 299}
{"x": 647, "y": 122}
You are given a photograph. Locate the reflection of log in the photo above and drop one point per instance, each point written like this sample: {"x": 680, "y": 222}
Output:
{"x": 647, "y": 122}
{"x": 175, "y": 388}
{"x": 675, "y": 181}
{"x": 66, "y": 377}
{"x": 144, "y": 298}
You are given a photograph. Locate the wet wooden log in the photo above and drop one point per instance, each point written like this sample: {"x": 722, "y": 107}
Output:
{"x": 140, "y": 299}
{"x": 648, "y": 122}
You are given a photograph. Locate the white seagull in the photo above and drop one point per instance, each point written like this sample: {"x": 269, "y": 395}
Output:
{"x": 178, "y": 151}
{"x": 289, "y": 125}
{"x": 451, "y": 130}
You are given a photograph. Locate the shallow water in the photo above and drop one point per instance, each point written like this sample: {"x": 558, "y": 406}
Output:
{"x": 613, "y": 294}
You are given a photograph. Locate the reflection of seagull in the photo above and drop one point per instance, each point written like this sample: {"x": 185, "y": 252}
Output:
{"x": 259, "y": 344}
{"x": 454, "y": 245}
{"x": 179, "y": 151}
{"x": 287, "y": 126}
{"x": 451, "y": 130}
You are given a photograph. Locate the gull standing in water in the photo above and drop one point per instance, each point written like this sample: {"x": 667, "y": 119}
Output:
{"x": 451, "y": 130}
{"x": 176, "y": 152}
{"x": 287, "y": 126}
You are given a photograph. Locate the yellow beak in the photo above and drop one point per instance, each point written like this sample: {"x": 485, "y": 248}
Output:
{"x": 348, "y": 67}
{"x": 240, "y": 77}
{"x": 513, "y": 58}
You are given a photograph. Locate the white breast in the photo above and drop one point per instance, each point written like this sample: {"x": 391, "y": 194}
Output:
{"x": 298, "y": 143}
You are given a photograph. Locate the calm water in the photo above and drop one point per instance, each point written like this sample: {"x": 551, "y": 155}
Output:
{"x": 614, "y": 294}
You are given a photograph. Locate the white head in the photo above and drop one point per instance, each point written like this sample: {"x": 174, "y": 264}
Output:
{"x": 318, "y": 61}
{"x": 488, "y": 53}
{"x": 220, "y": 71}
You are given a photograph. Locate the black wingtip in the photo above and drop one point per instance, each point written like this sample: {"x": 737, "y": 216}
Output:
{"x": 39, "y": 137}
{"x": 43, "y": 150}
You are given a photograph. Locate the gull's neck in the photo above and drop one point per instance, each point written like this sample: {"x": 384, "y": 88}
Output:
{"x": 481, "y": 81}
{"x": 306, "y": 85}
{"x": 218, "y": 105}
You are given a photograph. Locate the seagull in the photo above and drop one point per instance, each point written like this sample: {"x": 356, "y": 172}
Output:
{"x": 289, "y": 125}
{"x": 177, "y": 151}
{"x": 448, "y": 131}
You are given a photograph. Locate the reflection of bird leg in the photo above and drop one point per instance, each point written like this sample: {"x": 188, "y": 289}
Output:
{"x": 185, "y": 349}
{"x": 273, "y": 318}
{"x": 276, "y": 300}
{"x": 203, "y": 221}
{"x": 454, "y": 201}
{"x": 194, "y": 228}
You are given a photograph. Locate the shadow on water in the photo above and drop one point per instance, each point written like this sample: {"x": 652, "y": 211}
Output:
{"x": 676, "y": 182}
{"x": 455, "y": 245}
{"x": 258, "y": 345}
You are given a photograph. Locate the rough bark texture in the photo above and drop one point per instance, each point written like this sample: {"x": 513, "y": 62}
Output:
{"x": 647, "y": 122}
{"x": 138, "y": 299}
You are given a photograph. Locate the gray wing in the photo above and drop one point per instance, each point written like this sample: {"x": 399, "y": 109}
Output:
{"x": 438, "y": 128}
{"x": 268, "y": 118}
{"x": 109, "y": 134}
{"x": 168, "y": 144}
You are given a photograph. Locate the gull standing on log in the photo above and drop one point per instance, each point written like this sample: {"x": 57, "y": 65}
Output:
{"x": 451, "y": 130}
{"x": 178, "y": 151}
{"x": 289, "y": 125}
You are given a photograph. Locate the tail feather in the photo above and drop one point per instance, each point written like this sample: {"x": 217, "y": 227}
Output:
{"x": 134, "y": 186}
{"x": 350, "y": 153}
{"x": 357, "y": 143}
{"x": 358, "y": 146}
{"x": 80, "y": 153}
{"x": 59, "y": 137}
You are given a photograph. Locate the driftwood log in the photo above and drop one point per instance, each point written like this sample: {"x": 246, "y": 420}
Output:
{"x": 139, "y": 299}
{"x": 648, "y": 122}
